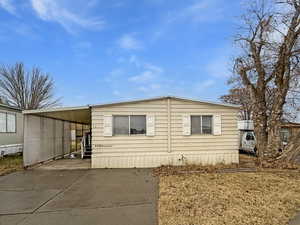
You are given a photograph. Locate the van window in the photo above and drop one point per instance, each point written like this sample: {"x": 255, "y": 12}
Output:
{"x": 249, "y": 137}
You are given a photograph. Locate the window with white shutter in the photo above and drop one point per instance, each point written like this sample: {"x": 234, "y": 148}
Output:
{"x": 150, "y": 131}
{"x": 186, "y": 125}
{"x": 107, "y": 125}
{"x": 217, "y": 124}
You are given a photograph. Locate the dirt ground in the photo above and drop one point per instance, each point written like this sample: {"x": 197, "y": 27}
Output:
{"x": 260, "y": 198}
{"x": 10, "y": 164}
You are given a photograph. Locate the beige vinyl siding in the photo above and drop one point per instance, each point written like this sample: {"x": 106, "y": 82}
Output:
{"x": 133, "y": 143}
{"x": 227, "y": 141}
{"x": 14, "y": 138}
{"x": 151, "y": 151}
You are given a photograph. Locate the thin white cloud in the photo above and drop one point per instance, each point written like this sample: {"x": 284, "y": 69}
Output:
{"x": 199, "y": 11}
{"x": 134, "y": 60}
{"x": 8, "y": 6}
{"x": 205, "y": 84}
{"x": 150, "y": 72}
{"x": 150, "y": 88}
{"x": 129, "y": 42}
{"x": 52, "y": 10}
{"x": 145, "y": 76}
{"x": 116, "y": 93}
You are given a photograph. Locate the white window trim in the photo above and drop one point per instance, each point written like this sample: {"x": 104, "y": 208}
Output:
{"x": 212, "y": 124}
{"x": 129, "y": 134}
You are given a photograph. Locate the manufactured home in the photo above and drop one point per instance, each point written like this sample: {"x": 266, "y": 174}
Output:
{"x": 11, "y": 130}
{"x": 140, "y": 133}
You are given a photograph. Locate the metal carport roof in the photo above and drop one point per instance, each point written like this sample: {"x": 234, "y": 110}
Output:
{"x": 81, "y": 114}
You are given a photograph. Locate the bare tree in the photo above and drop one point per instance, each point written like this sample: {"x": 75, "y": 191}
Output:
{"x": 27, "y": 89}
{"x": 268, "y": 65}
{"x": 239, "y": 96}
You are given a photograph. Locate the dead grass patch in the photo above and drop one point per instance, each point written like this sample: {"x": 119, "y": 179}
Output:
{"x": 10, "y": 164}
{"x": 262, "y": 198}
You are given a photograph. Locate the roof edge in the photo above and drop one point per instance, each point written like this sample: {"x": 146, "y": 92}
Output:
{"x": 58, "y": 109}
{"x": 10, "y": 107}
{"x": 165, "y": 97}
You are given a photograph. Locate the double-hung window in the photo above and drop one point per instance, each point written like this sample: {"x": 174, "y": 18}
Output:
{"x": 7, "y": 122}
{"x": 129, "y": 125}
{"x": 201, "y": 124}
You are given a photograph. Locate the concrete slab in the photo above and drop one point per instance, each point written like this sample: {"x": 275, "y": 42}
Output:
{"x": 39, "y": 180}
{"x": 54, "y": 197}
{"x": 24, "y": 201}
{"x": 12, "y": 219}
{"x": 132, "y": 215}
{"x": 67, "y": 164}
{"x": 107, "y": 188}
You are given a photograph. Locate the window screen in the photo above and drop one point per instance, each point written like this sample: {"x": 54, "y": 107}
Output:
{"x": 196, "y": 124}
{"x": 137, "y": 124}
{"x": 121, "y": 125}
{"x": 2, "y": 122}
{"x": 201, "y": 124}
{"x": 206, "y": 124}
{"x": 125, "y": 125}
{"x": 11, "y": 122}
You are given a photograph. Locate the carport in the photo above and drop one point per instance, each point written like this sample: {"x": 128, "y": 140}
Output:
{"x": 54, "y": 133}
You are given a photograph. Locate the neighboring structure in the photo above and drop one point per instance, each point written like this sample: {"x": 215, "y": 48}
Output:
{"x": 288, "y": 130}
{"x": 248, "y": 139}
{"x": 143, "y": 133}
{"x": 11, "y": 130}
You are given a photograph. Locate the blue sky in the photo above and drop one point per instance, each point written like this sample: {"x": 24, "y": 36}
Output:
{"x": 100, "y": 51}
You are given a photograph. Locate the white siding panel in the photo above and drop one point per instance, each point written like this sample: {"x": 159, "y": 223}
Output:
{"x": 155, "y": 141}
{"x": 152, "y": 151}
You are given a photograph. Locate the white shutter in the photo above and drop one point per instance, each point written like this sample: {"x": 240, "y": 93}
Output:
{"x": 217, "y": 124}
{"x": 150, "y": 123}
{"x": 186, "y": 125}
{"x": 107, "y": 125}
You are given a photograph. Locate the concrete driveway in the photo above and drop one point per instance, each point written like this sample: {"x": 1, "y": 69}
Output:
{"x": 87, "y": 197}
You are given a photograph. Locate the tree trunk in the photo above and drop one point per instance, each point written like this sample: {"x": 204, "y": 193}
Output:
{"x": 274, "y": 139}
{"x": 260, "y": 130}
{"x": 274, "y": 126}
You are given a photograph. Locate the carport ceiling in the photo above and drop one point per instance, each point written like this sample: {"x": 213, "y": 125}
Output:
{"x": 72, "y": 114}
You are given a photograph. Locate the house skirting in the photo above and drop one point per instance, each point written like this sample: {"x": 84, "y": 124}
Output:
{"x": 10, "y": 149}
{"x": 150, "y": 160}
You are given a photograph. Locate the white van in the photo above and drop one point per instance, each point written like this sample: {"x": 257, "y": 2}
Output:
{"x": 247, "y": 137}
{"x": 248, "y": 141}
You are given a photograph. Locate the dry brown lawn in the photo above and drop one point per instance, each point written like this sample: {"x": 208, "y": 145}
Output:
{"x": 10, "y": 164}
{"x": 262, "y": 198}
